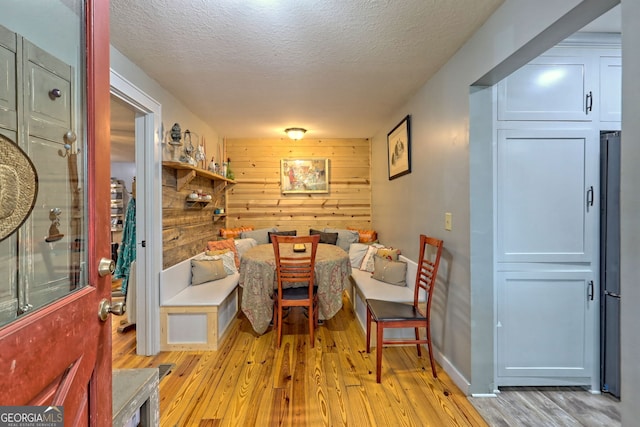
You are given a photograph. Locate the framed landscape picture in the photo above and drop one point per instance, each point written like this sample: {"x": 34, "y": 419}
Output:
{"x": 304, "y": 176}
{"x": 399, "y": 149}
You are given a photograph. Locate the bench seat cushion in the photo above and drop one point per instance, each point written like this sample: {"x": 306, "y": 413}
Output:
{"x": 205, "y": 294}
{"x": 372, "y": 288}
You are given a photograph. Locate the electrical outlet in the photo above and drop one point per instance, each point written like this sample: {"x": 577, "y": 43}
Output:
{"x": 447, "y": 221}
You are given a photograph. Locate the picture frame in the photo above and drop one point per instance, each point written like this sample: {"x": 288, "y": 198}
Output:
{"x": 304, "y": 176}
{"x": 399, "y": 149}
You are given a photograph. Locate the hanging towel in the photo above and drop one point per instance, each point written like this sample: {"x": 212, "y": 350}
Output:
{"x": 127, "y": 250}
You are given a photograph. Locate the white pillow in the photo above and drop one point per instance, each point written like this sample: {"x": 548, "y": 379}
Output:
{"x": 367, "y": 261}
{"x": 228, "y": 259}
{"x": 243, "y": 245}
{"x": 357, "y": 251}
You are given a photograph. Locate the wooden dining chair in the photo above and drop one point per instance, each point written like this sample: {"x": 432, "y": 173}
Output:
{"x": 388, "y": 314}
{"x": 292, "y": 270}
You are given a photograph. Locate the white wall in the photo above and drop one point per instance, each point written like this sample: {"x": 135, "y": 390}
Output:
{"x": 173, "y": 110}
{"x": 440, "y": 179}
{"x": 629, "y": 217}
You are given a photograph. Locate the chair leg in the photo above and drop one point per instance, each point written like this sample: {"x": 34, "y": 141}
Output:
{"x": 379, "y": 333}
{"x": 433, "y": 365}
{"x": 368, "y": 330}
{"x": 279, "y": 339}
{"x": 418, "y": 344}
{"x": 312, "y": 316}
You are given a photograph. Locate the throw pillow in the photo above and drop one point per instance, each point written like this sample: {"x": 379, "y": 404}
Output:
{"x": 227, "y": 257}
{"x": 392, "y": 272}
{"x": 365, "y": 236}
{"x": 357, "y": 251}
{"x": 225, "y": 244}
{"x": 203, "y": 271}
{"x": 234, "y": 233}
{"x": 367, "y": 260}
{"x": 261, "y": 236}
{"x": 281, "y": 233}
{"x": 345, "y": 237}
{"x": 389, "y": 253}
{"x": 243, "y": 245}
{"x": 328, "y": 238}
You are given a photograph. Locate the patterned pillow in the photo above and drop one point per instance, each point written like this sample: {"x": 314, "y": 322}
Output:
{"x": 234, "y": 233}
{"x": 392, "y": 272}
{"x": 205, "y": 270}
{"x": 365, "y": 236}
{"x": 367, "y": 261}
{"x": 227, "y": 257}
{"x": 389, "y": 253}
{"x": 225, "y": 244}
{"x": 357, "y": 251}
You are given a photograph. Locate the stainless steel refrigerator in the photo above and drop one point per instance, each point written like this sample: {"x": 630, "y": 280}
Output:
{"x": 610, "y": 262}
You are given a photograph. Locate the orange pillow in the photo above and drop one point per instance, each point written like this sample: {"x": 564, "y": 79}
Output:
{"x": 225, "y": 244}
{"x": 234, "y": 233}
{"x": 365, "y": 236}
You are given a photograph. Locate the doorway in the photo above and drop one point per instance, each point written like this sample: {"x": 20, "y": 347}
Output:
{"x": 148, "y": 203}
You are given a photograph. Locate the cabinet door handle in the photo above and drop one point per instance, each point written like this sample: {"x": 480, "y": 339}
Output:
{"x": 590, "y": 291}
{"x": 588, "y": 104}
{"x": 589, "y": 197}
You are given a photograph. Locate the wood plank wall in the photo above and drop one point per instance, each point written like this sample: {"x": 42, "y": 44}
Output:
{"x": 186, "y": 231}
{"x": 256, "y": 199}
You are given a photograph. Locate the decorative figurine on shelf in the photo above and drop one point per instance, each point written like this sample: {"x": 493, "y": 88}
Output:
{"x": 176, "y": 135}
{"x": 229, "y": 174}
{"x": 212, "y": 165}
{"x": 200, "y": 156}
{"x": 188, "y": 149}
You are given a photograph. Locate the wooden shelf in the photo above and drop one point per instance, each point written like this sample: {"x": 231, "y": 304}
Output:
{"x": 186, "y": 173}
{"x": 197, "y": 204}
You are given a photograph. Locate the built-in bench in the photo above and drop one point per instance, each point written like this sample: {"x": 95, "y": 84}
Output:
{"x": 365, "y": 286}
{"x": 195, "y": 317}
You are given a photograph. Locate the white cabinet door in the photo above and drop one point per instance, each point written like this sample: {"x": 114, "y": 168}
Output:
{"x": 545, "y": 328}
{"x": 547, "y": 235}
{"x": 546, "y": 195}
{"x": 549, "y": 88}
{"x": 610, "y": 89}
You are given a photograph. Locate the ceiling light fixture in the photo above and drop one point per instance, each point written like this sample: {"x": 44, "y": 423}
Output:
{"x": 295, "y": 133}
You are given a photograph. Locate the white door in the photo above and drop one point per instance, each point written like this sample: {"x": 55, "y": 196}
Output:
{"x": 547, "y": 219}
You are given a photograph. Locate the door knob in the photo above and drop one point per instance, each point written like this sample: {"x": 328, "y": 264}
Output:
{"x": 105, "y": 307}
{"x": 106, "y": 266}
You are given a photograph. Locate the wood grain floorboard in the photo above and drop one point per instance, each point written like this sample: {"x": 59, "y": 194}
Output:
{"x": 548, "y": 406}
{"x": 248, "y": 382}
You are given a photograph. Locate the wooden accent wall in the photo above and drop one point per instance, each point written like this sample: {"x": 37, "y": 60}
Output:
{"x": 256, "y": 199}
{"x": 186, "y": 231}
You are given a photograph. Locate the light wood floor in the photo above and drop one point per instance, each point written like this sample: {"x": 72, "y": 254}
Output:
{"x": 249, "y": 382}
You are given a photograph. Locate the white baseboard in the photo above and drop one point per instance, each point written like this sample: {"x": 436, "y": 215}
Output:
{"x": 455, "y": 375}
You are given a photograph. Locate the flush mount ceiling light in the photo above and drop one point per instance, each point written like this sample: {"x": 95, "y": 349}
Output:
{"x": 295, "y": 133}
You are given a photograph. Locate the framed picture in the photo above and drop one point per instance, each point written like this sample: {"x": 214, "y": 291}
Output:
{"x": 399, "y": 149}
{"x": 304, "y": 176}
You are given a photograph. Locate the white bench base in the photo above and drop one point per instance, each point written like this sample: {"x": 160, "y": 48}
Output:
{"x": 195, "y": 318}
{"x": 365, "y": 286}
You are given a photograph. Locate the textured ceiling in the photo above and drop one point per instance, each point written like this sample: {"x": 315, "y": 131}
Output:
{"x": 335, "y": 67}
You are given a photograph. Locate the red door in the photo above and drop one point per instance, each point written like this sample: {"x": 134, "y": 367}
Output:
{"x": 59, "y": 353}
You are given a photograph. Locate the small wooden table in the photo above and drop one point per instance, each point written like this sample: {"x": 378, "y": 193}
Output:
{"x": 135, "y": 389}
{"x": 258, "y": 280}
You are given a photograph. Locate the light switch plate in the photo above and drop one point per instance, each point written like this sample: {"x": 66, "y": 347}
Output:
{"x": 447, "y": 221}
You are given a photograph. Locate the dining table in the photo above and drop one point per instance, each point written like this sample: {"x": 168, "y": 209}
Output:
{"x": 258, "y": 281}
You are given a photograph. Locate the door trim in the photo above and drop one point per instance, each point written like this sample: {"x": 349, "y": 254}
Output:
{"x": 148, "y": 138}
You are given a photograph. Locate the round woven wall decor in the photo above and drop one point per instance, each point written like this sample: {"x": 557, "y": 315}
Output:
{"x": 18, "y": 187}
